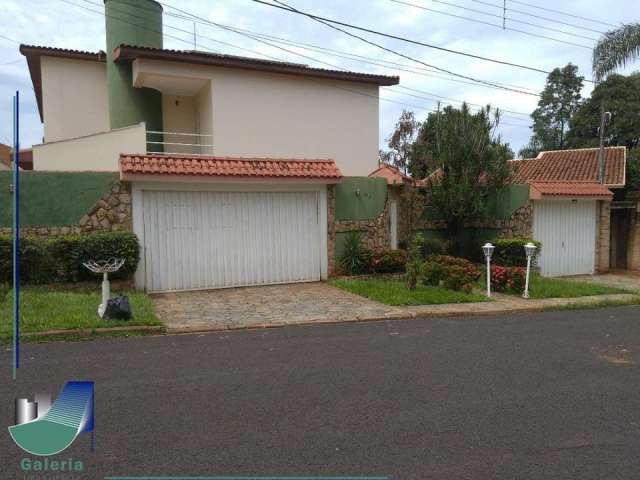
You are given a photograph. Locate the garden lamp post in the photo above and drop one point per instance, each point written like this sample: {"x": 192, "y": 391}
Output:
{"x": 487, "y": 248}
{"x": 529, "y": 250}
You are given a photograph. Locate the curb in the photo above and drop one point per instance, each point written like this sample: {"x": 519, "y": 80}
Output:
{"x": 91, "y": 331}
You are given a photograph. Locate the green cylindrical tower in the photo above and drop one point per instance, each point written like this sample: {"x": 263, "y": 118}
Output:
{"x": 136, "y": 23}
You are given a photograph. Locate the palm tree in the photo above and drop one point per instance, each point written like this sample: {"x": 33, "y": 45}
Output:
{"x": 615, "y": 49}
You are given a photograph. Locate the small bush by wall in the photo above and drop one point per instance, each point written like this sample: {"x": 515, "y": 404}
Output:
{"x": 509, "y": 252}
{"x": 60, "y": 259}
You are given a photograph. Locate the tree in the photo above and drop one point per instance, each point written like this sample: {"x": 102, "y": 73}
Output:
{"x": 471, "y": 164}
{"x": 401, "y": 141}
{"x": 619, "y": 95}
{"x": 558, "y": 101}
{"x": 615, "y": 49}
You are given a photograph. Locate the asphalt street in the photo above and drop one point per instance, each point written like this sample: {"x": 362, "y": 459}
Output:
{"x": 536, "y": 396}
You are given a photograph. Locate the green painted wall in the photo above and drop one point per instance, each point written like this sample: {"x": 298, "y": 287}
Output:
{"x": 53, "y": 198}
{"x": 360, "y": 198}
{"x": 500, "y": 206}
{"x": 124, "y": 19}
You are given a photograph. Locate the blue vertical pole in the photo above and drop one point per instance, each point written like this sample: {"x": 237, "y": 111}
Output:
{"x": 16, "y": 235}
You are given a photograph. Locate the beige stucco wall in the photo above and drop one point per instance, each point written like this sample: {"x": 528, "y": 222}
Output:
{"x": 97, "y": 153}
{"x": 179, "y": 114}
{"x": 258, "y": 114}
{"x": 74, "y": 98}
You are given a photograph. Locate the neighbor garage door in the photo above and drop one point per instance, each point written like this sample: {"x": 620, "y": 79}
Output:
{"x": 197, "y": 240}
{"x": 567, "y": 230}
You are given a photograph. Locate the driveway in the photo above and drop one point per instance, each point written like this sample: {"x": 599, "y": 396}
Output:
{"x": 551, "y": 395}
{"x": 273, "y": 305}
{"x": 617, "y": 278}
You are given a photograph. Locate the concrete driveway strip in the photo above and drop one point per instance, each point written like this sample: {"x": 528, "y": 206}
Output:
{"x": 552, "y": 395}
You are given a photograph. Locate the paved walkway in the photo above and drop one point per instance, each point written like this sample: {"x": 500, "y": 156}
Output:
{"x": 312, "y": 303}
{"x": 621, "y": 279}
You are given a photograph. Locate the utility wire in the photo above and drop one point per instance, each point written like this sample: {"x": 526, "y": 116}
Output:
{"x": 540, "y": 17}
{"x": 564, "y": 13}
{"x": 427, "y": 72}
{"x": 489, "y": 14}
{"x": 397, "y": 37}
{"x": 395, "y": 52}
{"x": 9, "y": 39}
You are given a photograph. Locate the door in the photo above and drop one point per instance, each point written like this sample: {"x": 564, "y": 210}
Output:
{"x": 567, "y": 230}
{"x": 199, "y": 240}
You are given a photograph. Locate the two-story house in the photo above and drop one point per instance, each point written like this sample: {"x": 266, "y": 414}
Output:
{"x": 229, "y": 158}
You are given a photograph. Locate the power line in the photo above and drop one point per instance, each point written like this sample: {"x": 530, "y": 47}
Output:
{"x": 501, "y": 27}
{"x": 540, "y": 17}
{"x": 453, "y": 99}
{"x": 482, "y": 12}
{"x": 427, "y": 72}
{"x": 9, "y": 39}
{"x": 564, "y": 13}
{"x": 395, "y": 52}
{"x": 397, "y": 37}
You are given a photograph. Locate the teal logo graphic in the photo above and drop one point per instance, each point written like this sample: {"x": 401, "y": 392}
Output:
{"x": 42, "y": 428}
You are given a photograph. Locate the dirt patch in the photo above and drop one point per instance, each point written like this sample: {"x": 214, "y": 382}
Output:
{"x": 615, "y": 354}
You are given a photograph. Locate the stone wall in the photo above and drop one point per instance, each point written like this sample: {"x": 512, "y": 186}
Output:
{"x": 603, "y": 242}
{"x": 111, "y": 213}
{"x": 376, "y": 231}
{"x": 519, "y": 225}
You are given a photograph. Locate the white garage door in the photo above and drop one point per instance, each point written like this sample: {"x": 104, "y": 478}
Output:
{"x": 567, "y": 230}
{"x": 197, "y": 240}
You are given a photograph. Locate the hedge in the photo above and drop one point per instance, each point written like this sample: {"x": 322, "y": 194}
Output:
{"x": 60, "y": 259}
{"x": 509, "y": 252}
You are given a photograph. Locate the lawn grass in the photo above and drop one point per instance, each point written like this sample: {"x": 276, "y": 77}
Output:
{"x": 43, "y": 309}
{"x": 393, "y": 292}
{"x": 544, "y": 287}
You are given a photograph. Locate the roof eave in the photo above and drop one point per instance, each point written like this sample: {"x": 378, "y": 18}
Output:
{"x": 129, "y": 53}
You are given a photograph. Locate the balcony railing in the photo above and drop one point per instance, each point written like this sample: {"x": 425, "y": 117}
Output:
{"x": 179, "y": 143}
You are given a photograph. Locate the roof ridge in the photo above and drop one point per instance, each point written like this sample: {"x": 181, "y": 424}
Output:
{"x": 577, "y": 150}
{"x": 225, "y": 158}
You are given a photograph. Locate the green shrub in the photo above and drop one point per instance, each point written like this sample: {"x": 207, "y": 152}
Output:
{"x": 36, "y": 264}
{"x": 509, "y": 252}
{"x": 508, "y": 279}
{"x": 454, "y": 273}
{"x": 414, "y": 261}
{"x": 355, "y": 258}
{"x": 434, "y": 246}
{"x": 388, "y": 261}
{"x": 78, "y": 249}
{"x": 433, "y": 273}
{"x": 60, "y": 259}
{"x": 458, "y": 279}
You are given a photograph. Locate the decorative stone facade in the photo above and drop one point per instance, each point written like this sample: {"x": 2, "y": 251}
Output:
{"x": 111, "y": 213}
{"x": 376, "y": 231}
{"x": 603, "y": 243}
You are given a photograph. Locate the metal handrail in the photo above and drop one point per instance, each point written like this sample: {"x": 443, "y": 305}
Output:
{"x": 181, "y": 133}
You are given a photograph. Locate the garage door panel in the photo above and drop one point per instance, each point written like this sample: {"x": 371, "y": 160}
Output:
{"x": 223, "y": 239}
{"x": 567, "y": 230}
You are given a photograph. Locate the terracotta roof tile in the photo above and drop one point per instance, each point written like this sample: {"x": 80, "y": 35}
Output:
{"x": 229, "y": 167}
{"x": 580, "y": 165}
{"x": 391, "y": 174}
{"x": 568, "y": 189}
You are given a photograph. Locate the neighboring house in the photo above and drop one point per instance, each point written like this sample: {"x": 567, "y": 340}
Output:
{"x": 6, "y": 158}
{"x": 556, "y": 198}
{"x": 230, "y": 161}
{"x": 572, "y": 210}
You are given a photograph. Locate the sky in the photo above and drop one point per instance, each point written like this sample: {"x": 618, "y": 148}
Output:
{"x": 70, "y": 24}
